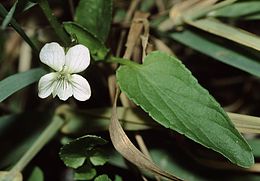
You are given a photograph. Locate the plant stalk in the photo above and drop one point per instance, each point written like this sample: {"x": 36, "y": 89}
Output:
{"x": 54, "y": 22}
{"x": 43, "y": 139}
{"x": 122, "y": 61}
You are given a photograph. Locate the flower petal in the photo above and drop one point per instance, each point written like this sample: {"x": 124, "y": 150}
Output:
{"x": 53, "y": 55}
{"x": 80, "y": 87}
{"x": 77, "y": 58}
{"x": 46, "y": 84}
{"x": 63, "y": 89}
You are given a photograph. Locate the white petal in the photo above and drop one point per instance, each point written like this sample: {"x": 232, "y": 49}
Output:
{"x": 63, "y": 89}
{"x": 53, "y": 55}
{"x": 77, "y": 59}
{"x": 80, "y": 87}
{"x": 46, "y": 84}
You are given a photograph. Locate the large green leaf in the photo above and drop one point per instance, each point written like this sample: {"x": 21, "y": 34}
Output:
{"x": 222, "y": 51}
{"x": 97, "y": 49}
{"x": 95, "y": 16}
{"x": 13, "y": 83}
{"x": 165, "y": 89}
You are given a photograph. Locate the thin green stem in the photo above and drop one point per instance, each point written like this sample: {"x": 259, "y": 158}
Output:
{"x": 43, "y": 139}
{"x": 123, "y": 61}
{"x": 54, "y": 22}
{"x": 18, "y": 29}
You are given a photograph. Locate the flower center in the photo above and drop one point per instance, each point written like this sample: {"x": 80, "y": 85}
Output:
{"x": 64, "y": 74}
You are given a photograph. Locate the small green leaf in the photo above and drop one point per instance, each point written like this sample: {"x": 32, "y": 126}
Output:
{"x": 85, "y": 173}
{"x": 102, "y": 178}
{"x": 118, "y": 178}
{"x": 99, "y": 158}
{"x": 165, "y": 89}
{"x": 95, "y": 16}
{"x": 14, "y": 83}
{"x": 36, "y": 175}
{"x": 75, "y": 153}
{"x": 97, "y": 49}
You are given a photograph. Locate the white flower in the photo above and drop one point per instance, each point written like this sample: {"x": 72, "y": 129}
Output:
{"x": 64, "y": 82}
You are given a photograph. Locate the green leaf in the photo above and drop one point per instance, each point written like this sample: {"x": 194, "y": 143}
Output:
{"x": 14, "y": 83}
{"x": 221, "y": 51}
{"x": 9, "y": 16}
{"x": 99, "y": 158}
{"x": 97, "y": 49}
{"x": 85, "y": 173}
{"x": 76, "y": 152}
{"x": 238, "y": 10}
{"x": 118, "y": 178}
{"x": 102, "y": 178}
{"x": 36, "y": 175}
{"x": 95, "y": 16}
{"x": 165, "y": 89}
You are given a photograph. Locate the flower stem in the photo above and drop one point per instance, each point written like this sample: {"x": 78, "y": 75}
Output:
{"x": 123, "y": 61}
{"x": 54, "y": 22}
{"x": 43, "y": 139}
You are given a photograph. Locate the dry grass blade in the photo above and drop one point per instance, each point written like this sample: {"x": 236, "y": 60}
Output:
{"x": 17, "y": 177}
{"x": 185, "y": 11}
{"x": 231, "y": 33}
{"x": 245, "y": 123}
{"x": 160, "y": 45}
{"x": 135, "y": 32}
{"x": 126, "y": 148}
{"x": 128, "y": 16}
{"x": 199, "y": 7}
{"x": 160, "y": 5}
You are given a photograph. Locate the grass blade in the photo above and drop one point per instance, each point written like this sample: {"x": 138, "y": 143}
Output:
{"x": 221, "y": 51}
{"x": 231, "y": 33}
{"x": 18, "y": 29}
{"x": 9, "y": 16}
{"x": 14, "y": 83}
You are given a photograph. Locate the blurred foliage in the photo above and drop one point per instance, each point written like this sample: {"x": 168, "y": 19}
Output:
{"x": 218, "y": 41}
